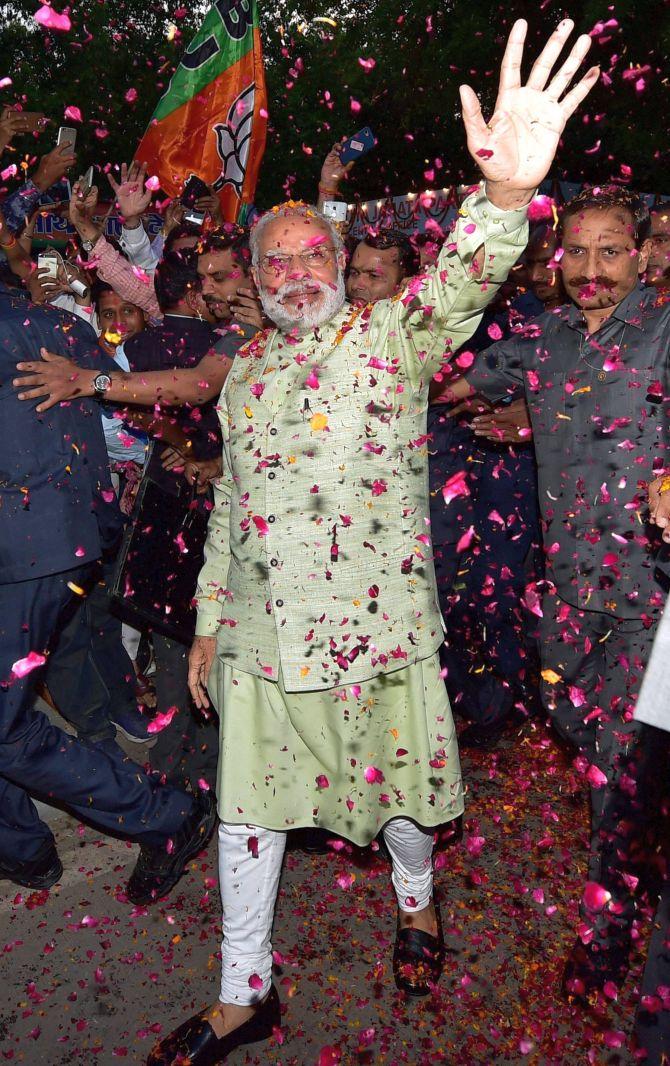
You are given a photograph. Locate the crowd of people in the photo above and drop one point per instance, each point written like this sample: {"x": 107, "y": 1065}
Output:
{"x": 274, "y": 502}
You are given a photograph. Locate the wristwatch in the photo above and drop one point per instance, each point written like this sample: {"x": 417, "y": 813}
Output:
{"x": 87, "y": 245}
{"x": 102, "y": 383}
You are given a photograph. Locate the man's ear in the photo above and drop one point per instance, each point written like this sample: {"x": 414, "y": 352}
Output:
{"x": 255, "y": 277}
{"x": 644, "y": 251}
{"x": 191, "y": 299}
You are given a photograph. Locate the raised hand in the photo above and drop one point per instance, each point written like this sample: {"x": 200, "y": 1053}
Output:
{"x": 174, "y": 216}
{"x": 333, "y": 169}
{"x": 13, "y": 122}
{"x": 81, "y": 210}
{"x": 81, "y": 207}
{"x": 210, "y": 205}
{"x": 53, "y": 166}
{"x": 515, "y": 149}
{"x": 131, "y": 193}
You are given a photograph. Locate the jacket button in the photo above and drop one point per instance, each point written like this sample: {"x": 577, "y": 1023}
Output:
{"x": 274, "y": 562}
{"x": 271, "y": 518}
{"x": 273, "y": 431}
{"x": 280, "y": 603}
{"x": 272, "y": 475}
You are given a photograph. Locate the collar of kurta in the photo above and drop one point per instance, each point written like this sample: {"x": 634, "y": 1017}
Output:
{"x": 273, "y": 363}
{"x": 329, "y": 335}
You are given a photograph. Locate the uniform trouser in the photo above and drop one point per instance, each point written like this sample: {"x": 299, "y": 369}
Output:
{"x": 450, "y": 447}
{"x": 187, "y": 750}
{"x": 600, "y": 661}
{"x": 89, "y": 673}
{"x": 652, "y": 1027}
{"x": 250, "y": 860}
{"x": 113, "y": 794}
{"x": 489, "y": 653}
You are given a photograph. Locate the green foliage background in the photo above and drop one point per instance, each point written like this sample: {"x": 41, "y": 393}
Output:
{"x": 422, "y": 50}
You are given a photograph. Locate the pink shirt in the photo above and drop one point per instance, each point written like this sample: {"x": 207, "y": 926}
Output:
{"x": 131, "y": 283}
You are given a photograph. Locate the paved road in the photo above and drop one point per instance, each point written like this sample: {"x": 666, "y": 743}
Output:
{"x": 87, "y": 978}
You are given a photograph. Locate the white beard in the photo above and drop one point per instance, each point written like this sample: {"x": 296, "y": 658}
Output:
{"x": 309, "y": 317}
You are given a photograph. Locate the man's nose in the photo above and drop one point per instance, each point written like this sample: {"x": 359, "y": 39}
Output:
{"x": 297, "y": 270}
{"x": 591, "y": 264}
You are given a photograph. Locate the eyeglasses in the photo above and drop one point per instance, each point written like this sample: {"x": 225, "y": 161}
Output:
{"x": 313, "y": 259}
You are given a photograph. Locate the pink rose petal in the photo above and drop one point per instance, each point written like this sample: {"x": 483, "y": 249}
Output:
{"x": 51, "y": 20}
{"x": 24, "y": 666}
{"x": 595, "y": 896}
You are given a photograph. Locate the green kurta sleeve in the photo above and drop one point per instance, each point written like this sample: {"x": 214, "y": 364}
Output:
{"x": 440, "y": 310}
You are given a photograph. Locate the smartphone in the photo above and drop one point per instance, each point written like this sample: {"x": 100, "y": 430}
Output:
{"x": 66, "y": 136}
{"x": 196, "y": 218}
{"x": 33, "y": 120}
{"x": 357, "y": 146}
{"x": 48, "y": 261}
{"x": 193, "y": 189}
{"x": 335, "y": 209}
{"x": 86, "y": 181}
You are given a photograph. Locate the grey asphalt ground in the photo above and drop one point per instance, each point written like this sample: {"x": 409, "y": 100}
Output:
{"x": 87, "y": 978}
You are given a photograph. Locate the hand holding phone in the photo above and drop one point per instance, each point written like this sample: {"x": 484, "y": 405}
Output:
{"x": 47, "y": 268}
{"x": 356, "y": 147}
{"x": 67, "y": 137}
{"x": 335, "y": 210}
{"x": 194, "y": 189}
{"x": 52, "y": 168}
{"x": 85, "y": 182}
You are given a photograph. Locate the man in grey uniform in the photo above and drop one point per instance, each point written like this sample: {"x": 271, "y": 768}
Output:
{"x": 594, "y": 374}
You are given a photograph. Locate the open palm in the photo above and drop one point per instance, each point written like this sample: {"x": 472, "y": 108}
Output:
{"x": 516, "y": 147}
{"x": 131, "y": 192}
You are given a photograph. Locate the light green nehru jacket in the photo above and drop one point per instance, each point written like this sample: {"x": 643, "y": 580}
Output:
{"x": 318, "y": 563}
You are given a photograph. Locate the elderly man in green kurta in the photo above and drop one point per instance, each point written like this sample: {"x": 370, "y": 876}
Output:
{"x": 318, "y": 625}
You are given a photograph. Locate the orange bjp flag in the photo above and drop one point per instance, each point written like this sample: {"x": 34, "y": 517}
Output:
{"x": 212, "y": 120}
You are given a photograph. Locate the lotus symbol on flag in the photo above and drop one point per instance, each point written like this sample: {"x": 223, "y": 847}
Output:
{"x": 232, "y": 140}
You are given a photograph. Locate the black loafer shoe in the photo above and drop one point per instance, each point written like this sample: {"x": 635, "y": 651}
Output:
{"x": 42, "y": 871}
{"x": 418, "y": 959}
{"x": 157, "y": 871}
{"x": 196, "y": 1043}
